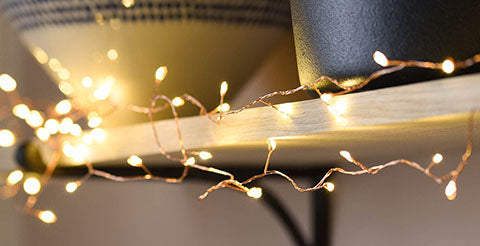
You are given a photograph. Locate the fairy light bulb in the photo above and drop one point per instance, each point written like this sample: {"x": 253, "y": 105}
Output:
{"x": 190, "y": 161}
{"x": 437, "y": 158}
{"x": 326, "y": 97}
{"x": 68, "y": 149}
{"x": 225, "y": 107}
{"x": 223, "y": 88}
{"x": 47, "y": 216}
{"x": 65, "y": 87}
{"x": 178, "y": 102}
{"x": 272, "y": 144}
{"x": 52, "y": 126}
{"x": 329, "y": 186}
{"x": 98, "y": 135}
{"x": 128, "y": 3}
{"x": 54, "y": 64}
{"x": 21, "y": 111}
{"x": 14, "y": 177}
{"x": 71, "y": 187}
{"x": 63, "y": 107}
{"x": 345, "y": 154}
{"x": 76, "y": 130}
{"x": 7, "y": 138}
{"x": 66, "y": 125}
{"x": 161, "y": 73}
{"x": 380, "y": 58}
{"x": 134, "y": 161}
{"x": 63, "y": 73}
{"x": 40, "y": 55}
{"x": 87, "y": 138}
{"x": 34, "y": 119}
{"x": 7, "y": 83}
{"x": 43, "y": 134}
{"x": 451, "y": 190}
{"x": 448, "y": 66}
{"x": 102, "y": 92}
{"x": 205, "y": 155}
{"x": 255, "y": 192}
{"x": 32, "y": 186}
{"x": 87, "y": 82}
{"x": 112, "y": 54}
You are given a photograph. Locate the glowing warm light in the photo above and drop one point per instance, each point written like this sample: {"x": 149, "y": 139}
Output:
{"x": 254, "y": 192}
{"x": 286, "y": 109}
{"x": 102, "y": 92}
{"x": 66, "y": 125}
{"x": 68, "y": 149}
{"x": 71, "y": 187}
{"x": 437, "y": 158}
{"x": 63, "y": 73}
{"x": 40, "y": 55}
{"x": 34, "y": 119}
{"x": 134, "y": 161}
{"x": 161, "y": 73}
{"x": 329, "y": 186}
{"x": 54, "y": 64}
{"x": 21, "y": 111}
{"x": 190, "y": 161}
{"x": 42, "y": 134}
{"x": 47, "y": 216}
{"x": 87, "y": 138}
{"x": 76, "y": 130}
{"x": 223, "y": 88}
{"x": 326, "y": 97}
{"x": 178, "y": 102}
{"x": 112, "y": 54}
{"x": 7, "y": 83}
{"x": 65, "y": 87}
{"x": 345, "y": 154}
{"x": 272, "y": 144}
{"x": 87, "y": 82}
{"x": 380, "y": 58}
{"x": 63, "y": 107}
{"x": 7, "y": 138}
{"x": 14, "y": 177}
{"x": 81, "y": 152}
{"x": 148, "y": 176}
{"x": 451, "y": 190}
{"x": 94, "y": 120}
{"x": 32, "y": 186}
{"x": 52, "y": 125}
{"x": 224, "y": 107}
{"x": 98, "y": 134}
{"x": 205, "y": 155}
{"x": 128, "y": 3}
{"x": 448, "y": 66}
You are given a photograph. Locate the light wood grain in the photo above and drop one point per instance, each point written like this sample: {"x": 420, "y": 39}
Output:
{"x": 377, "y": 124}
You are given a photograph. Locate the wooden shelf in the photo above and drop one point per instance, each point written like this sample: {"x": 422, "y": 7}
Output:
{"x": 377, "y": 125}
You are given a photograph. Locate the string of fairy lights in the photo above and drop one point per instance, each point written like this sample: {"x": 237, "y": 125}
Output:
{"x": 65, "y": 116}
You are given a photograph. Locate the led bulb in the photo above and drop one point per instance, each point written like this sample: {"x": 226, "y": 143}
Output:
{"x": 329, "y": 186}
{"x": 134, "y": 161}
{"x": 161, "y": 73}
{"x": 32, "y": 186}
{"x": 63, "y": 107}
{"x": 272, "y": 144}
{"x": 190, "y": 161}
{"x": 437, "y": 158}
{"x": 65, "y": 87}
{"x": 7, "y": 83}
{"x": 21, "y": 111}
{"x": 52, "y": 125}
{"x": 448, "y": 66}
{"x": 7, "y": 138}
{"x": 35, "y": 119}
{"x": 224, "y": 107}
{"x": 66, "y": 125}
{"x": 178, "y": 102}
{"x": 345, "y": 154}
{"x": 98, "y": 135}
{"x": 112, "y": 54}
{"x": 102, "y": 92}
{"x": 223, "y": 88}
{"x": 47, "y": 216}
{"x": 205, "y": 155}
{"x": 87, "y": 82}
{"x": 380, "y": 58}
{"x": 326, "y": 97}
{"x": 128, "y": 3}
{"x": 76, "y": 130}
{"x": 254, "y": 192}
{"x": 14, "y": 177}
{"x": 43, "y": 134}
{"x": 451, "y": 190}
{"x": 71, "y": 187}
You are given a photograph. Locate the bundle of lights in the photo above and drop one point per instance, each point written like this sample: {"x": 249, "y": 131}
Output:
{"x": 66, "y": 113}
